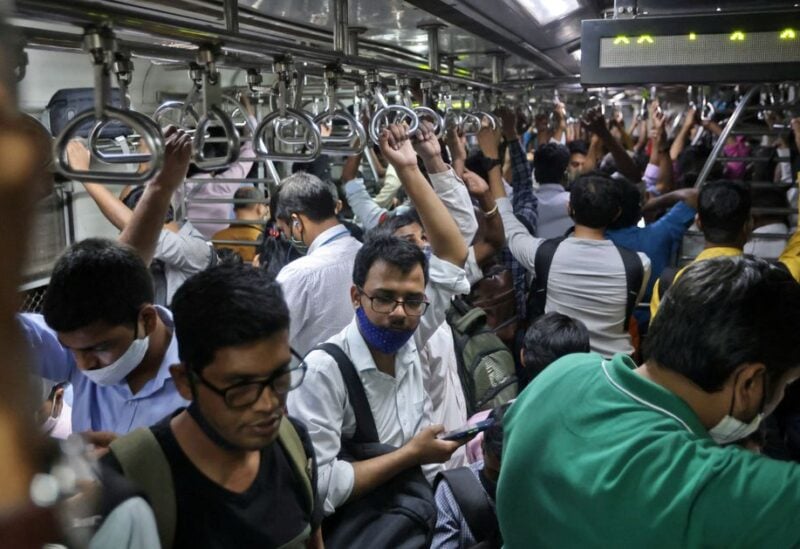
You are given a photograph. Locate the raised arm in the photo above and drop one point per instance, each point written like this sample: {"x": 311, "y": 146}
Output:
{"x": 493, "y": 237}
{"x": 524, "y": 202}
{"x": 596, "y": 123}
{"x": 683, "y": 135}
{"x": 117, "y": 213}
{"x": 443, "y": 233}
{"x": 147, "y": 221}
{"x": 457, "y": 144}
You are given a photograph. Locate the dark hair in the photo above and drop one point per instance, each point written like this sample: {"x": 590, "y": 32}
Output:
{"x": 304, "y": 193}
{"x": 725, "y": 312}
{"x": 578, "y": 146}
{"x": 631, "y": 203}
{"x": 493, "y": 436}
{"x": 132, "y": 199}
{"x": 397, "y": 221}
{"x": 225, "y": 306}
{"x": 248, "y": 193}
{"x": 595, "y": 200}
{"x": 228, "y": 256}
{"x": 724, "y": 210}
{"x": 548, "y": 338}
{"x": 769, "y": 198}
{"x": 96, "y": 280}
{"x": 212, "y": 149}
{"x": 550, "y": 161}
{"x": 381, "y": 247}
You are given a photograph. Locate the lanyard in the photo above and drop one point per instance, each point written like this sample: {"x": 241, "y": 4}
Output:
{"x": 337, "y": 236}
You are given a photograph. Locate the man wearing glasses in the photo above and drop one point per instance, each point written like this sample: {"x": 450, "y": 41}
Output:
{"x": 232, "y": 456}
{"x": 400, "y": 298}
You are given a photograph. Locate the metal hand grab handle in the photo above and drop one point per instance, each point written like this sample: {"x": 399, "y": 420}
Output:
{"x": 470, "y": 123}
{"x": 281, "y": 124}
{"x": 382, "y": 115}
{"x": 231, "y": 135}
{"x": 146, "y": 128}
{"x": 342, "y": 145}
{"x": 263, "y": 142}
{"x": 159, "y": 113}
{"x": 120, "y": 158}
{"x": 435, "y": 117}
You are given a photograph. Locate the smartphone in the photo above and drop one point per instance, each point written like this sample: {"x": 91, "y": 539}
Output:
{"x": 468, "y": 431}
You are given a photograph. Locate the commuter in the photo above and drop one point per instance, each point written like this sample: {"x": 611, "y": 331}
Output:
{"x": 577, "y": 159}
{"x": 588, "y": 277}
{"x": 549, "y": 164}
{"x": 465, "y": 497}
{"x": 381, "y": 344}
{"x": 173, "y": 251}
{"x": 218, "y": 470}
{"x": 723, "y": 214}
{"x": 256, "y": 212}
{"x": 548, "y": 338}
{"x": 101, "y": 332}
{"x": 769, "y": 248}
{"x": 643, "y": 455}
{"x": 315, "y": 285}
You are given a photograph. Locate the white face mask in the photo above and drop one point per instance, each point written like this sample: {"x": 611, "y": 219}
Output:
{"x": 731, "y": 429}
{"x": 124, "y": 365}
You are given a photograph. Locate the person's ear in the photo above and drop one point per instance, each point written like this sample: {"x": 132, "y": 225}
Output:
{"x": 149, "y": 318}
{"x": 698, "y": 222}
{"x": 355, "y": 296}
{"x": 339, "y": 207}
{"x": 522, "y": 357}
{"x": 749, "y": 389}
{"x": 180, "y": 375}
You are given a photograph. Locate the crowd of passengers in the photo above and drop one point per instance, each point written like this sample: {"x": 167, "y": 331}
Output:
{"x": 295, "y": 392}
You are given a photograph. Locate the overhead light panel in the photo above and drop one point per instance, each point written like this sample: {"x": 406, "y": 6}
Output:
{"x": 547, "y": 11}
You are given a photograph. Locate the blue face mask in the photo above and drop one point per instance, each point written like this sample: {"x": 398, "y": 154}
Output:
{"x": 385, "y": 340}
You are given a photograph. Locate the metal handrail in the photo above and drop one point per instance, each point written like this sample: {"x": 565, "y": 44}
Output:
{"x": 101, "y": 44}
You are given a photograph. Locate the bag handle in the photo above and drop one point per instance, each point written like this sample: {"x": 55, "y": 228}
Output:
{"x": 365, "y": 423}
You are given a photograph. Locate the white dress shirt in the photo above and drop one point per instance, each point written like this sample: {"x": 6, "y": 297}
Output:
{"x": 454, "y": 195}
{"x": 400, "y": 405}
{"x": 767, "y": 248}
{"x": 317, "y": 288}
{"x": 554, "y": 220}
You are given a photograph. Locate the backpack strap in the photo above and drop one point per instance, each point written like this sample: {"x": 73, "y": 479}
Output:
{"x": 472, "y": 500}
{"x": 634, "y": 276}
{"x": 145, "y": 464}
{"x": 541, "y": 269}
{"x": 293, "y": 446}
{"x": 365, "y": 423}
{"x": 665, "y": 281}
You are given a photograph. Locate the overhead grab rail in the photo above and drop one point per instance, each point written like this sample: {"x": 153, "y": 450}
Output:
{"x": 349, "y": 144}
{"x": 100, "y": 44}
{"x": 267, "y": 138}
{"x": 383, "y": 115}
{"x": 422, "y": 111}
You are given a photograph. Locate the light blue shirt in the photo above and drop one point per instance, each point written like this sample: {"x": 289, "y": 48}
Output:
{"x": 97, "y": 407}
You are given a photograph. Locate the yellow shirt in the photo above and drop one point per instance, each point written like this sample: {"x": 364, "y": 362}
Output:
{"x": 790, "y": 258}
{"x": 240, "y": 232}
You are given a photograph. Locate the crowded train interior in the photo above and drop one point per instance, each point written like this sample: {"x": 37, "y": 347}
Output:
{"x": 399, "y": 274}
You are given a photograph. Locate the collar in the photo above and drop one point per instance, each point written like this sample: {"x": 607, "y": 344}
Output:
{"x": 362, "y": 357}
{"x": 326, "y": 236}
{"x": 619, "y": 373}
{"x": 719, "y": 251}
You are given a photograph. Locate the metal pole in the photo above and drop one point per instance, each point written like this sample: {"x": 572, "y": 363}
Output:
{"x": 339, "y": 10}
{"x": 232, "y": 15}
{"x": 726, "y": 131}
{"x": 498, "y": 67}
{"x": 352, "y": 40}
{"x": 433, "y": 45}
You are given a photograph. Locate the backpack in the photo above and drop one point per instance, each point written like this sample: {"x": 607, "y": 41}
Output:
{"x": 537, "y": 299}
{"x": 144, "y": 463}
{"x": 485, "y": 364}
{"x": 400, "y": 514}
{"x": 473, "y": 501}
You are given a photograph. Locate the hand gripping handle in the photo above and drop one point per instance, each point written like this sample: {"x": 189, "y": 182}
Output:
{"x": 381, "y": 119}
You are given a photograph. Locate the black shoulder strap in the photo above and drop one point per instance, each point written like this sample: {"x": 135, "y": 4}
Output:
{"x": 541, "y": 268}
{"x": 365, "y": 423}
{"x": 472, "y": 500}
{"x": 634, "y": 276}
{"x": 666, "y": 280}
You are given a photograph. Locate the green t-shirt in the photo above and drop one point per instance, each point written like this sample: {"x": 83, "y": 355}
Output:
{"x": 597, "y": 456}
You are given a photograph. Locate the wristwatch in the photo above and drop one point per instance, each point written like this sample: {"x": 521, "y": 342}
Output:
{"x": 489, "y": 163}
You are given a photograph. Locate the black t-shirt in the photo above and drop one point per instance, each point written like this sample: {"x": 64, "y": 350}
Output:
{"x": 270, "y": 513}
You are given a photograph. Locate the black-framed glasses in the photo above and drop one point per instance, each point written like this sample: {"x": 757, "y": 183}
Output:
{"x": 242, "y": 395}
{"x": 385, "y": 305}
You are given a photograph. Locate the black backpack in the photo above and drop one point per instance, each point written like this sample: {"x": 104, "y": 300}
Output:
{"x": 485, "y": 364}
{"x": 400, "y": 514}
{"x": 634, "y": 276}
{"x": 473, "y": 501}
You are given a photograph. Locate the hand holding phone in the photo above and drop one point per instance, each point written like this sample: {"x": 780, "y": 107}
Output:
{"x": 468, "y": 431}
